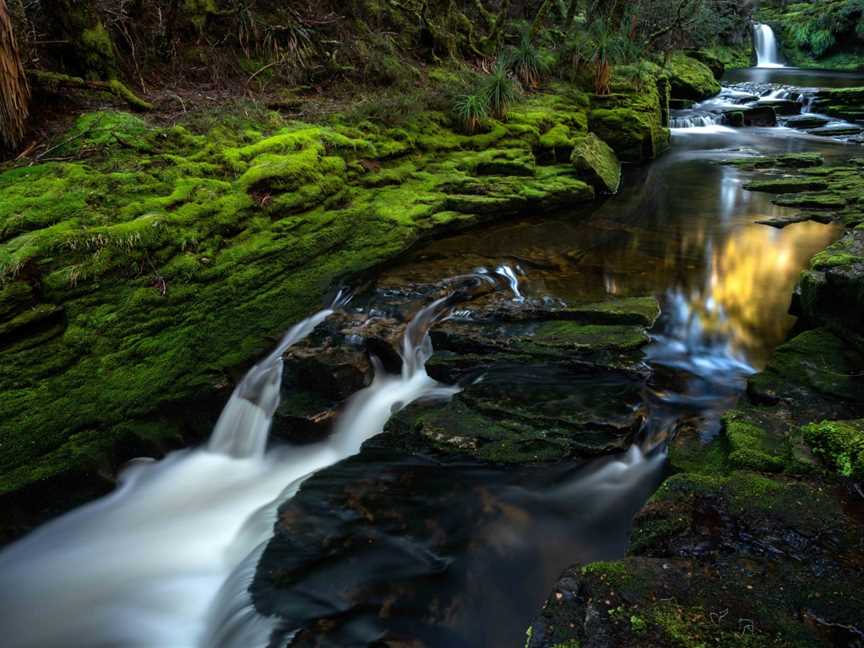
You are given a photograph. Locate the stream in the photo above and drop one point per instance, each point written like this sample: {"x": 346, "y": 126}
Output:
{"x": 442, "y": 552}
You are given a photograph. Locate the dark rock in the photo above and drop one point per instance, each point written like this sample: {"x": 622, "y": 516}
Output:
{"x": 752, "y": 116}
{"x": 836, "y": 131}
{"x": 781, "y": 106}
{"x": 782, "y": 221}
{"x": 804, "y": 122}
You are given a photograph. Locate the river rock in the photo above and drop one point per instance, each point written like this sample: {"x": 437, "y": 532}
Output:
{"x": 831, "y": 291}
{"x": 596, "y": 163}
{"x": 803, "y": 122}
{"x": 836, "y": 131}
{"x": 750, "y": 117}
{"x": 843, "y": 103}
{"x": 783, "y": 107}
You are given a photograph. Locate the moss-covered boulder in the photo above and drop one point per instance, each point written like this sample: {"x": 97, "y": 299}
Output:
{"x": 636, "y": 127}
{"x": 843, "y": 103}
{"x": 690, "y": 78}
{"x": 596, "y": 162}
{"x": 840, "y": 444}
{"x": 831, "y": 291}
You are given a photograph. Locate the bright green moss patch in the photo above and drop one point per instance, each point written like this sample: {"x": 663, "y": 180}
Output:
{"x": 840, "y": 444}
{"x": 751, "y": 446}
{"x": 690, "y": 79}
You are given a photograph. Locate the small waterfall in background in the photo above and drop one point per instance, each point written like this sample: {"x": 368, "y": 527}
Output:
{"x": 166, "y": 560}
{"x": 767, "y": 53}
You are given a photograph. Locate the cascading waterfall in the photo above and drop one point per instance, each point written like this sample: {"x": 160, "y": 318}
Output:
{"x": 167, "y": 558}
{"x": 767, "y": 53}
{"x": 695, "y": 121}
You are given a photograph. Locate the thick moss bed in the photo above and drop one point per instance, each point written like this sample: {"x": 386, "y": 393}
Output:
{"x": 142, "y": 272}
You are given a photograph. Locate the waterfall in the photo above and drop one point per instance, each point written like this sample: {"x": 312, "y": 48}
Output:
{"x": 696, "y": 121}
{"x": 767, "y": 54}
{"x": 167, "y": 558}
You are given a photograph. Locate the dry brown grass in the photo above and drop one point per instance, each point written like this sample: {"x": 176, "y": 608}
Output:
{"x": 14, "y": 91}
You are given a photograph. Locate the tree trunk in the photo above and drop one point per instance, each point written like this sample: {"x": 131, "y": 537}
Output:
{"x": 14, "y": 91}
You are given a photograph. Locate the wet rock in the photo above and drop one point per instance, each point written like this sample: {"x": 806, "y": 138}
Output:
{"x": 835, "y": 131}
{"x": 763, "y": 116}
{"x": 596, "y": 163}
{"x": 803, "y": 122}
{"x": 831, "y": 291}
{"x": 817, "y": 364}
{"x": 786, "y": 185}
{"x": 787, "y": 161}
{"x": 844, "y": 103}
{"x": 783, "y": 107}
{"x": 782, "y": 221}
{"x": 719, "y": 558}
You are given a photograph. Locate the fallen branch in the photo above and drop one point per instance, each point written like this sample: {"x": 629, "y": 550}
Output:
{"x": 54, "y": 80}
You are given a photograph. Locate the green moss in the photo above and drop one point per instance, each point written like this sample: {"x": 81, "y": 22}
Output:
{"x": 840, "y": 444}
{"x": 751, "y": 447}
{"x": 786, "y": 185}
{"x": 97, "y": 50}
{"x": 590, "y": 336}
{"x": 596, "y": 162}
{"x": 690, "y": 79}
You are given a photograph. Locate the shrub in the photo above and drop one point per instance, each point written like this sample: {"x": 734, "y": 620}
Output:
{"x": 471, "y": 110}
{"x": 500, "y": 90}
{"x": 526, "y": 62}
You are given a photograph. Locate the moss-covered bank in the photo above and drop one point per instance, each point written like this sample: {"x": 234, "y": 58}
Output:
{"x": 142, "y": 272}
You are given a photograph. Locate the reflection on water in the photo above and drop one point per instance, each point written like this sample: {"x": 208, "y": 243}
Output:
{"x": 796, "y": 77}
{"x": 685, "y": 231}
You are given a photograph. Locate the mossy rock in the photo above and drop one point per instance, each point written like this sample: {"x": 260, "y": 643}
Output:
{"x": 840, "y": 444}
{"x": 814, "y": 364}
{"x": 690, "y": 78}
{"x": 596, "y": 162}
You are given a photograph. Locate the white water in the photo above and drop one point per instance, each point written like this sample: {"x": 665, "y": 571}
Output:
{"x": 767, "y": 53}
{"x": 696, "y": 121}
{"x": 166, "y": 560}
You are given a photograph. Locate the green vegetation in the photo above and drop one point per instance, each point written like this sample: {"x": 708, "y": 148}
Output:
{"x": 828, "y": 34}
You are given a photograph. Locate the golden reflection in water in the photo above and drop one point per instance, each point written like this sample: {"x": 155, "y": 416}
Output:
{"x": 751, "y": 280}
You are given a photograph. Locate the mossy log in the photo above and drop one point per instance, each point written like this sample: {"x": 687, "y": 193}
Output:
{"x": 54, "y": 80}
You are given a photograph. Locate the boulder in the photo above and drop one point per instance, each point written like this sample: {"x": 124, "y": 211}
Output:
{"x": 805, "y": 121}
{"x": 596, "y": 163}
{"x": 753, "y": 116}
{"x": 782, "y": 106}
{"x": 690, "y": 79}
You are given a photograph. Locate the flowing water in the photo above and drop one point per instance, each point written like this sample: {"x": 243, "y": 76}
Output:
{"x": 441, "y": 553}
{"x": 767, "y": 52}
